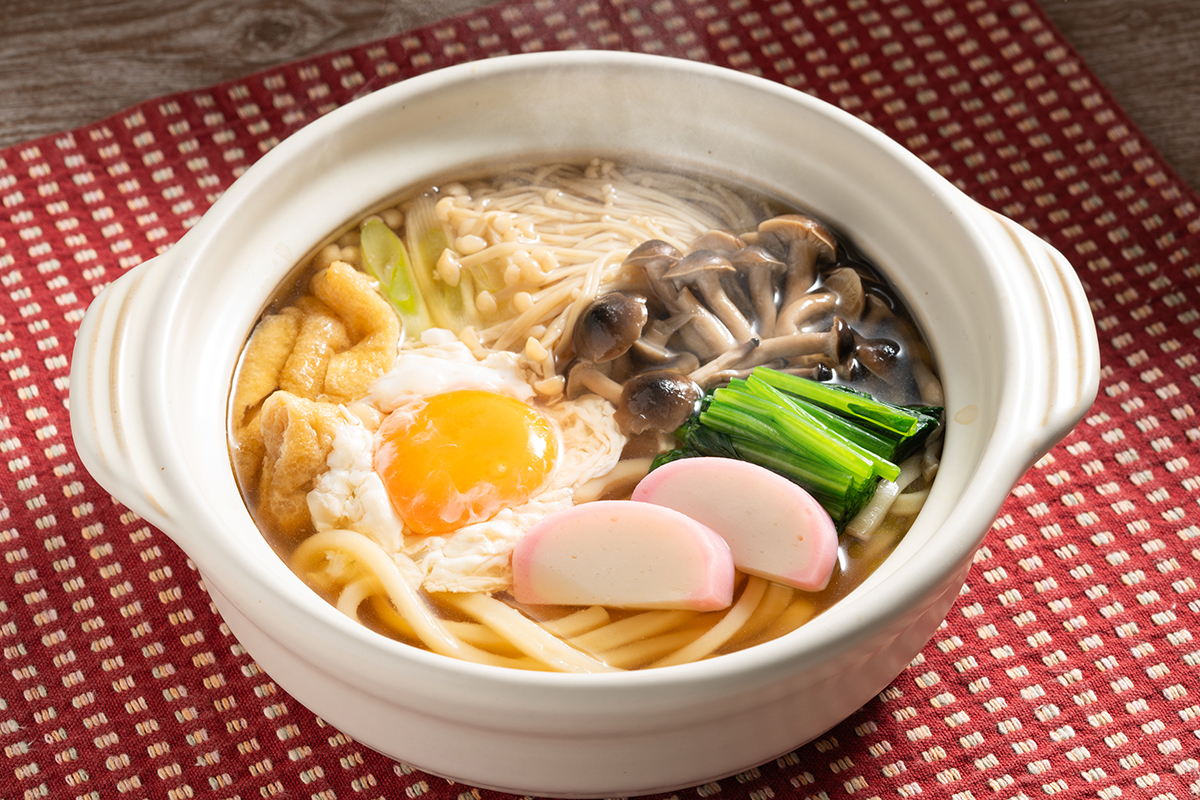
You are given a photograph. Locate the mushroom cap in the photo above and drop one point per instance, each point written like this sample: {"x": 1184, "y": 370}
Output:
{"x": 609, "y": 326}
{"x": 659, "y": 400}
{"x": 652, "y": 258}
{"x": 720, "y": 241}
{"x": 653, "y": 251}
{"x": 844, "y": 337}
{"x": 757, "y": 257}
{"x": 847, "y": 284}
{"x": 883, "y": 357}
{"x": 798, "y": 230}
{"x": 698, "y": 264}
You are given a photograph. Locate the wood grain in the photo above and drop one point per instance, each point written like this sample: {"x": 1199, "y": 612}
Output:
{"x": 65, "y": 63}
{"x": 1147, "y": 53}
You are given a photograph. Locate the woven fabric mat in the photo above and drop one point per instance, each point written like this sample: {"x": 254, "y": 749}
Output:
{"x": 1067, "y": 667}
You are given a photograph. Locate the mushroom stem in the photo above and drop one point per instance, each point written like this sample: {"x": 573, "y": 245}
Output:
{"x": 762, "y": 270}
{"x": 801, "y": 274}
{"x": 807, "y": 242}
{"x": 829, "y": 347}
{"x": 726, "y": 375}
{"x": 927, "y": 384}
{"x": 762, "y": 295}
{"x": 658, "y": 331}
{"x": 586, "y": 375}
{"x": 725, "y": 309}
{"x": 704, "y": 333}
{"x": 794, "y": 316}
{"x": 731, "y": 359}
{"x": 662, "y": 357}
{"x": 795, "y": 345}
{"x": 603, "y": 385}
{"x": 703, "y": 269}
{"x": 841, "y": 293}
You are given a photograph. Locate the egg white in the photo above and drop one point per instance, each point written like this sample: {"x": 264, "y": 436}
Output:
{"x": 475, "y": 557}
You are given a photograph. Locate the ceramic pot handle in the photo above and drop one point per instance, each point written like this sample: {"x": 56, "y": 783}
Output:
{"x": 108, "y": 428}
{"x": 1065, "y": 332}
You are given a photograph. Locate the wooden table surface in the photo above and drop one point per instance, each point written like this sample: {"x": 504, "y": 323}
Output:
{"x": 65, "y": 63}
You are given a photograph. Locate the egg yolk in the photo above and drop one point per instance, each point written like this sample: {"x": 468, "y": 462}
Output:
{"x": 456, "y": 458}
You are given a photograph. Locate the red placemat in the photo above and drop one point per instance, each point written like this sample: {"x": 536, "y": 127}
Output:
{"x": 1068, "y": 666}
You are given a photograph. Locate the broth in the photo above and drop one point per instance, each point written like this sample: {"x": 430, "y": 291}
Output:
{"x": 484, "y": 293}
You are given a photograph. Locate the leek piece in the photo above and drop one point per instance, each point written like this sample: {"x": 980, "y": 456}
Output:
{"x": 386, "y": 259}
{"x": 450, "y": 307}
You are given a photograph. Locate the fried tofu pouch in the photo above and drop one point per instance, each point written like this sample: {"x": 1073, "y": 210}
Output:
{"x": 371, "y": 323}
{"x": 267, "y": 352}
{"x": 297, "y": 435}
{"x": 299, "y": 367}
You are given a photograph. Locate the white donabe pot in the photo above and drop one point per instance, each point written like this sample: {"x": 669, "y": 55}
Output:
{"x": 1004, "y": 312}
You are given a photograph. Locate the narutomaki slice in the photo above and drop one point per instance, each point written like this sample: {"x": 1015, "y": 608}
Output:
{"x": 774, "y": 528}
{"x": 623, "y": 554}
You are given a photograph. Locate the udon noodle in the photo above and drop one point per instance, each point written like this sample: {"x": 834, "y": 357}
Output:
{"x": 501, "y": 271}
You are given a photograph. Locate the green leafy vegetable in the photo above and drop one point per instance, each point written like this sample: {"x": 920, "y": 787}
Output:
{"x": 907, "y": 426}
{"x": 837, "y": 443}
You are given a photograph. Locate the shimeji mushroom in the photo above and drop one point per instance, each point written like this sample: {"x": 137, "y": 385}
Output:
{"x": 703, "y": 270}
{"x": 654, "y": 257}
{"x": 841, "y": 292}
{"x": 700, "y": 329}
{"x": 658, "y": 400}
{"x": 714, "y": 315}
{"x": 807, "y": 243}
{"x": 585, "y": 376}
{"x": 703, "y": 333}
{"x": 763, "y": 271}
{"x": 609, "y": 326}
{"x": 831, "y": 347}
{"x": 721, "y": 242}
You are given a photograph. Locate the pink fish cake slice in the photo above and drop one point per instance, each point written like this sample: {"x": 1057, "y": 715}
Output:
{"x": 625, "y": 555}
{"x": 774, "y": 528}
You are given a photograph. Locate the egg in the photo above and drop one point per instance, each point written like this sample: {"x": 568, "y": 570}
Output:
{"x": 458, "y": 457}
{"x": 441, "y": 363}
{"x": 465, "y": 461}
